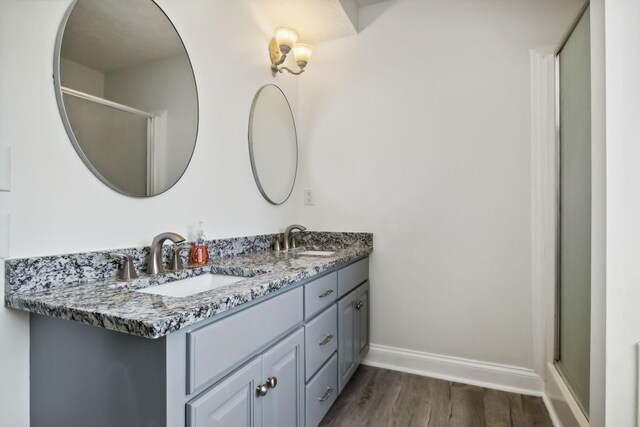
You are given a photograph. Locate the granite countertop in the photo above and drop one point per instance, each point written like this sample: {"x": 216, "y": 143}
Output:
{"x": 117, "y": 306}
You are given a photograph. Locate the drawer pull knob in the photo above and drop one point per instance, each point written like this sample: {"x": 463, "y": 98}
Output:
{"x": 326, "y": 340}
{"x": 359, "y": 305}
{"x": 326, "y": 293}
{"x": 326, "y": 395}
{"x": 262, "y": 390}
{"x": 272, "y": 382}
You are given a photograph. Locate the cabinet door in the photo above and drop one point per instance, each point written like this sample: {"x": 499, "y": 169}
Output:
{"x": 347, "y": 339}
{"x": 283, "y": 404}
{"x": 233, "y": 402}
{"x": 362, "y": 305}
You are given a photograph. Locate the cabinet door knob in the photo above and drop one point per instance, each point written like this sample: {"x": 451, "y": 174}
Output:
{"x": 262, "y": 390}
{"x": 359, "y": 305}
{"x": 272, "y": 382}
{"x": 326, "y": 340}
{"x": 326, "y": 394}
{"x": 326, "y": 293}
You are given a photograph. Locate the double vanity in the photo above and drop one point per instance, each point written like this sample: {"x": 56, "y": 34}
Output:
{"x": 256, "y": 337}
{"x": 263, "y": 334}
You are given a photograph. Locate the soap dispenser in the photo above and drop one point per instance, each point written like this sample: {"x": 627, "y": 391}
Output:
{"x": 199, "y": 253}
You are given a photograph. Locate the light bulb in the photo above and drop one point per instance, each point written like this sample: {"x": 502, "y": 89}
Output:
{"x": 302, "y": 52}
{"x": 286, "y": 38}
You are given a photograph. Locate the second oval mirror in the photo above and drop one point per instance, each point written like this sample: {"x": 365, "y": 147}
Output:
{"x": 273, "y": 144}
{"x": 127, "y": 94}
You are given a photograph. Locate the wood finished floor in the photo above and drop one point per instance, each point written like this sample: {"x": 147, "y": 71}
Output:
{"x": 379, "y": 398}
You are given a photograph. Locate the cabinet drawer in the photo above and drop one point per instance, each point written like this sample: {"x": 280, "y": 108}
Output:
{"x": 322, "y": 392}
{"x": 352, "y": 275}
{"x": 319, "y": 293}
{"x": 320, "y": 340}
{"x": 216, "y": 348}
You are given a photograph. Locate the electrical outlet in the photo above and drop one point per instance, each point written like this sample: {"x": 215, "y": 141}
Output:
{"x": 308, "y": 197}
{"x": 5, "y": 169}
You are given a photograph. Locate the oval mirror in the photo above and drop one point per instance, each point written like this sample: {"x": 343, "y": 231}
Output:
{"x": 273, "y": 144}
{"x": 127, "y": 94}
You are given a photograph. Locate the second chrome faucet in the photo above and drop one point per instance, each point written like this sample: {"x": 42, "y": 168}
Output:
{"x": 288, "y": 238}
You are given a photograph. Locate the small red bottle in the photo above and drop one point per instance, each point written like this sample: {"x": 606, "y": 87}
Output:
{"x": 199, "y": 253}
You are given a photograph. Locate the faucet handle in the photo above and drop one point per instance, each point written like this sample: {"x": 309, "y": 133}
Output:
{"x": 176, "y": 260}
{"x": 127, "y": 271}
{"x": 276, "y": 245}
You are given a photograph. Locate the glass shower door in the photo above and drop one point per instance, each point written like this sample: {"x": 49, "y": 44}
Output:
{"x": 115, "y": 140}
{"x": 573, "y": 317}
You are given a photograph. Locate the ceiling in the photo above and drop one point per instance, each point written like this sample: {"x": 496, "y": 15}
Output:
{"x": 315, "y": 20}
{"x": 113, "y": 35}
{"x": 108, "y": 35}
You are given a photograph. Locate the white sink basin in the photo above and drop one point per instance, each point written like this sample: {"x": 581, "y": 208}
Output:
{"x": 316, "y": 253}
{"x": 194, "y": 285}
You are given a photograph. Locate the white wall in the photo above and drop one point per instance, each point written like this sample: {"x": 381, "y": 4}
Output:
{"x": 80, "y": 77}
{"x": 622, "y": 69}
{"x": 418, "y": 129}
{"x": 58, "y": 206}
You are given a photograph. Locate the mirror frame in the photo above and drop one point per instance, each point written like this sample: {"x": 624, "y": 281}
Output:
{"x": 65, "y": 118}
{"x": 251, "y": 156}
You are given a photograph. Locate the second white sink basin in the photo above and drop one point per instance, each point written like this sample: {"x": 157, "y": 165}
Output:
{"x": 316, "y": 253}
{"x": 194, "y": 285}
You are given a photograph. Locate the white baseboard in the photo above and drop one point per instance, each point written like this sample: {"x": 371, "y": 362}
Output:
{"x": 467, "y": 371}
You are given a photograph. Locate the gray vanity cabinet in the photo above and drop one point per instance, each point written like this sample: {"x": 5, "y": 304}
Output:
{"x": 235, "y": 401}
{"x": 230, "y": 403}
{"x": 278, "y": 361}
{"x": 353, "y": 332}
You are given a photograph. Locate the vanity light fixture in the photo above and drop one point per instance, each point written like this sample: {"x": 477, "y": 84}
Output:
{"x": 281, "y": 44}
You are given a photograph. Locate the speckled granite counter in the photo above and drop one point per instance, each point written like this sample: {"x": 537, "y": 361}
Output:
{"x": 77, "y": 287}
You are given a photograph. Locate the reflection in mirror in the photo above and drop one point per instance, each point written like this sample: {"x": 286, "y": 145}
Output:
{"x": 127, "y": 94}
{"x": 273, "y": 144}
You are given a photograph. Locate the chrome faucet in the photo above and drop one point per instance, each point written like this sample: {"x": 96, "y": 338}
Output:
{"x": 288, "y": 237}
{"x": 155, "y": 253}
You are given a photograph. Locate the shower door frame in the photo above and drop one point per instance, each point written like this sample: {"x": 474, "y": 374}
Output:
{"x": 557, "y": 296}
